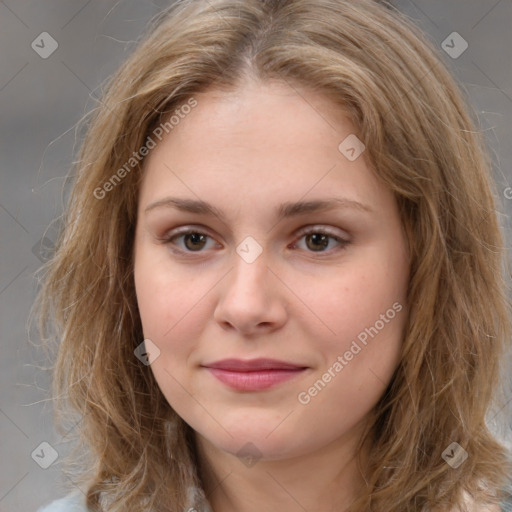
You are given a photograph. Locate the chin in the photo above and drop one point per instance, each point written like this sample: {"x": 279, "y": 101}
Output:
{"x": 256, "y": 440}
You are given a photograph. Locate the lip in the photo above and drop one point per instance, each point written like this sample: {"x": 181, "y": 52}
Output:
{"x": 253, "y": 374}
{"x": 250, "y": 365}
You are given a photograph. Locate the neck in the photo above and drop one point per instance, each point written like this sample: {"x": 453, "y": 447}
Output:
{"x": 328, "y": 478}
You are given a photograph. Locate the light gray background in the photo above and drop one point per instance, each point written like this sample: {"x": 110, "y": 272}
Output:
{"x": 41, "y": 100}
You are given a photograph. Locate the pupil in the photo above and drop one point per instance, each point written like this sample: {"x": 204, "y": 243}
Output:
{"x": 195, "y": 238}
{"x": 318, "y": 238}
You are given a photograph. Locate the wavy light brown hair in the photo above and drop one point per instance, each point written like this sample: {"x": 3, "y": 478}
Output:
{"x": 421, "y": 138}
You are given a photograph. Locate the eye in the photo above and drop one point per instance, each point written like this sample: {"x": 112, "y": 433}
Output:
{"x": 193, "y": 240}
{"x": 317, "y": 240}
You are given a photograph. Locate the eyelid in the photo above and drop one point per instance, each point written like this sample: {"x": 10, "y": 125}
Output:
{"x": 184, "y": 230}
{"x": 312, "y": 228}
{"x": 342, "y": 241}
{"x": 204, "y": 230}
{"x": 320, "y": 228}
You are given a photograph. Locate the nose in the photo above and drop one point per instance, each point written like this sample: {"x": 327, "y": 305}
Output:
{"x": 252, "y": 299}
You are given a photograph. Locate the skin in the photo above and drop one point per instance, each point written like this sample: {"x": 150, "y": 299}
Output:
{"x": 246, "y": 152}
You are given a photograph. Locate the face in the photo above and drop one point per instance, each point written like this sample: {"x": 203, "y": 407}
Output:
{"x": 255, "y": 277}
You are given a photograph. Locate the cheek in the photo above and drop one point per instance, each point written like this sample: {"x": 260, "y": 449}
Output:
{"x": 174, "y": 312}
{"x": 353, "y": 299}
{"x": 154, "y": 299}
{"x": 169, "y": 319}
{"x": 358, "y": 366}
{"x": 164, "y": 297}
{"x": 363, "y": 312}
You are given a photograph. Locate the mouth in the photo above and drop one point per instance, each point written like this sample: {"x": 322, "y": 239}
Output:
{"x": 255, "y": 374}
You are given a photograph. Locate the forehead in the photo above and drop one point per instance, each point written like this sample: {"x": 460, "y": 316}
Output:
{"x": 262, "y": 141}
{"x": 264, "y": 117}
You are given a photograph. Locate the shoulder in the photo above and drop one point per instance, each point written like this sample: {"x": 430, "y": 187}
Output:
{"x": 506, "y": 506}
{"x": 475, "y": 507}
{"x": 74, "y": 502}
{"x": 469, "y": 505}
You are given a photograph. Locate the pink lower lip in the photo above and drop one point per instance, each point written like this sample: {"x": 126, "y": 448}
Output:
{"x": 254, "y": 380}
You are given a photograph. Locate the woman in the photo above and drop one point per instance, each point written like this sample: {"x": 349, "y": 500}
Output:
{"x": 279, "y": 283}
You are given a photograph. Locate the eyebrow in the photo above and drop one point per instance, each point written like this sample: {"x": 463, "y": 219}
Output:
{"x": 285, "y": 210}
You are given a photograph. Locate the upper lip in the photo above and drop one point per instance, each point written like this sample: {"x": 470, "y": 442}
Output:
{"x": 240, "y": 365}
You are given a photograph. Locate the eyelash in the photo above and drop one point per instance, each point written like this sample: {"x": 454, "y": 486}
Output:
{"x": 168, "y": 240}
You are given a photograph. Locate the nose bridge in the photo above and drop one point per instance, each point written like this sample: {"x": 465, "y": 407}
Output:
{"x": 250, "y": 267}
{"x": 248, "y": 300}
